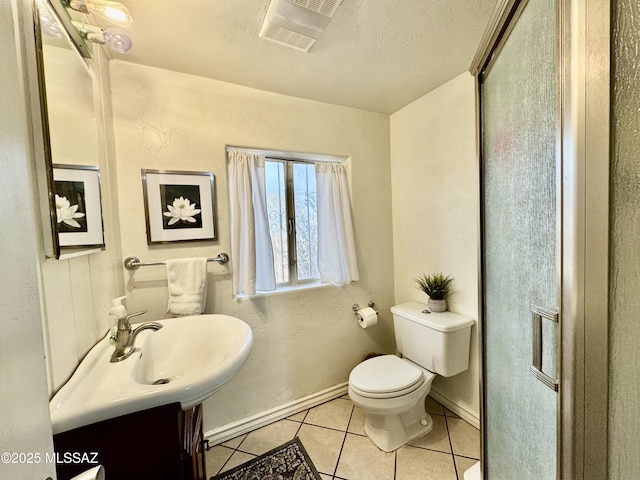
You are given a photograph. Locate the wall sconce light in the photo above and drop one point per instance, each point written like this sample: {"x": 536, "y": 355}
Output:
{"x": 115, "y": 37}
{"x": 79, "y": 33}
{"x": 48, "y": 23}
{"x": 114, "y": 12}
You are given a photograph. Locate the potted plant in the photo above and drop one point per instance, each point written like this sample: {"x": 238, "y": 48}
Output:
{"x": 437, "y": 286}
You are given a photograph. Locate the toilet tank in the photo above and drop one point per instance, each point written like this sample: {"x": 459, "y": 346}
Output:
{"x": 439, "y": 342}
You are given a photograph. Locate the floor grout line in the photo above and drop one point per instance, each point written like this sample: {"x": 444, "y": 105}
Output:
{"x": 453, "y": 456}
{"x": 344, "y": 439}
{"x": 233, "y": 450}
{"x": 301, "y": 423}
{"x": 395, "y": 464}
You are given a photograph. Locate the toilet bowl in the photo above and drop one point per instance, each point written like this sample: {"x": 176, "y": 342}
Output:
{"x": 392, "y": 392}
{"x": 392, "y": 389}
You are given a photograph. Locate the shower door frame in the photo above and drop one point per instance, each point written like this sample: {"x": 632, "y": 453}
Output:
{"x": 582, "y": 140}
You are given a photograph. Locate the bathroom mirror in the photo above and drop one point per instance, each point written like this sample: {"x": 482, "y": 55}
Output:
{"x": 69, "y": 128}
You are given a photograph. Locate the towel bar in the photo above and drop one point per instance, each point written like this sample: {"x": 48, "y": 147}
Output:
{"x": 133, "y": 263}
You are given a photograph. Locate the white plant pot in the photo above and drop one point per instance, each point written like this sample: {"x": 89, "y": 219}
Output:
{"x": 437, "y": 306}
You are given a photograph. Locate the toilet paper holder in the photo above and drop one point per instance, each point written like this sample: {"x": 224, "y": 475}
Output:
{"x": 356, "y": 307}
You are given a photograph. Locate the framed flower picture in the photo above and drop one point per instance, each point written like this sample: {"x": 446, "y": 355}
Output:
{"x": 78, "y": 206}
{"x": 179, "y": 206}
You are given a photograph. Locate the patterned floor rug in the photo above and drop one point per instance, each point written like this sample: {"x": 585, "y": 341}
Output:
{"x": 286, "y": 462}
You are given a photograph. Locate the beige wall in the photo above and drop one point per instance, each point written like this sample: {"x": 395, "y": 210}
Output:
{"x": 24, "y": 409}
{"x": 435, "y": 210}
{"x": 303, "y": 341}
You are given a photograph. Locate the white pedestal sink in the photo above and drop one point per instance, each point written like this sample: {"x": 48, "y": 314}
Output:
{"x": 184, "y": 362}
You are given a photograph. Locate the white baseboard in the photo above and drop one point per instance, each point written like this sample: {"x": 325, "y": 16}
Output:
{"x": 246, "y": 425}
{"x": 468, "y": 416}
{"x": 232, "y": 430}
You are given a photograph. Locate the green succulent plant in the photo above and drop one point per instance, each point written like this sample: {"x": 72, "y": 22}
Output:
{"x": 436, "y": 285}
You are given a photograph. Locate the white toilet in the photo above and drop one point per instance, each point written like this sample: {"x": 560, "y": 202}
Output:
{"x": 392, "y": 390}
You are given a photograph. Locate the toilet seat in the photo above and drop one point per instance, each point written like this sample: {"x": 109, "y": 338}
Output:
{"x": 386, "y": 376}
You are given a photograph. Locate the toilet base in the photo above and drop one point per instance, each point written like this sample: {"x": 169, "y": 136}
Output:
{"x": 390, "y": 432}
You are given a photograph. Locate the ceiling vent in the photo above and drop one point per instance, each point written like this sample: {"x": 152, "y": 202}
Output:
{"x": 297, "y": 23}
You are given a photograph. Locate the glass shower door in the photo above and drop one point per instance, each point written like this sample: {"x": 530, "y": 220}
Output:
{"x": 520, "y": 219}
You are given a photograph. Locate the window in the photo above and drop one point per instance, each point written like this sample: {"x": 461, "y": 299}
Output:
{"x": 294, "y": 212}
{"x": 293, "y": 220}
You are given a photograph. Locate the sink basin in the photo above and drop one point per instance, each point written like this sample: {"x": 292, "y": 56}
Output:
{"x": 184, "y": 362}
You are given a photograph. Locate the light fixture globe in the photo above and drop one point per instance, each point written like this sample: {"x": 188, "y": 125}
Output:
{"x": 114, "y": 12}
{"x": 48, "y": 25}
{"x": 117, "y": 39}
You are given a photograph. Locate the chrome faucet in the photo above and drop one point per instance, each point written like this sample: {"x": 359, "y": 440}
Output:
{"x": 126, "y": 336}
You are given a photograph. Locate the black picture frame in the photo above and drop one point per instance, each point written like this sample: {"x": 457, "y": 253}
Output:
{"x": 179, "y": 206}
{"x": 78, "y": 206}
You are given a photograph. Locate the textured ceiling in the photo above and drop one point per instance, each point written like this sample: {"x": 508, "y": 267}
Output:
{"x": 377, "y": 55}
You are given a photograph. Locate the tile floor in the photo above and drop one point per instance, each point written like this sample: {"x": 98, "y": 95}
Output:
{"x": 333, "y": 435}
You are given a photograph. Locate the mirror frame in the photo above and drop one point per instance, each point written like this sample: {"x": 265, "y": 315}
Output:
{"x": 45, "y": 172}
{"x": 44, "y": 169}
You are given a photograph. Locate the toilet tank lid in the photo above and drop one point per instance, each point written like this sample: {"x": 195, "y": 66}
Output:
{"x": 443, "y": 322}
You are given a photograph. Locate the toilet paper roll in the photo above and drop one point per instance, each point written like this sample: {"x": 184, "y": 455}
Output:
{"x": 367, "y": 317}
{"x": 96, "y": 473}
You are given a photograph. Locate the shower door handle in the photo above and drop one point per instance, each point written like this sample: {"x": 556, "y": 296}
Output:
{"x": 537, "y": 315}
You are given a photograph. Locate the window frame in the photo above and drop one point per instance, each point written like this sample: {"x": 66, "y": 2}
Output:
{"x": 291, "y": 231}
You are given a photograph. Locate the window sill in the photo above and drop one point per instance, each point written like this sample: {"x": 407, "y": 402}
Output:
{"x": 289, "y": 289}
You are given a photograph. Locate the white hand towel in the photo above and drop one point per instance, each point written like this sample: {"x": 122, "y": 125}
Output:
{"x": 187, "y": 278}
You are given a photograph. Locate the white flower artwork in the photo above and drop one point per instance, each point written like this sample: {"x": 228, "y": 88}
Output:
{"x": 67, "y": 213}
{"x": 181, "y": 210}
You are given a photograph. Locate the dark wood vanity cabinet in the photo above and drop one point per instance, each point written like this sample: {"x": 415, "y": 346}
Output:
{"x": 162, "y": 443}
{"x": 193, "y": 444}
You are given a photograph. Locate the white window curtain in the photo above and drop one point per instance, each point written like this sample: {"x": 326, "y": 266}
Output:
{"x": 251, "y": 250}
{"x": 336, "y": 247}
